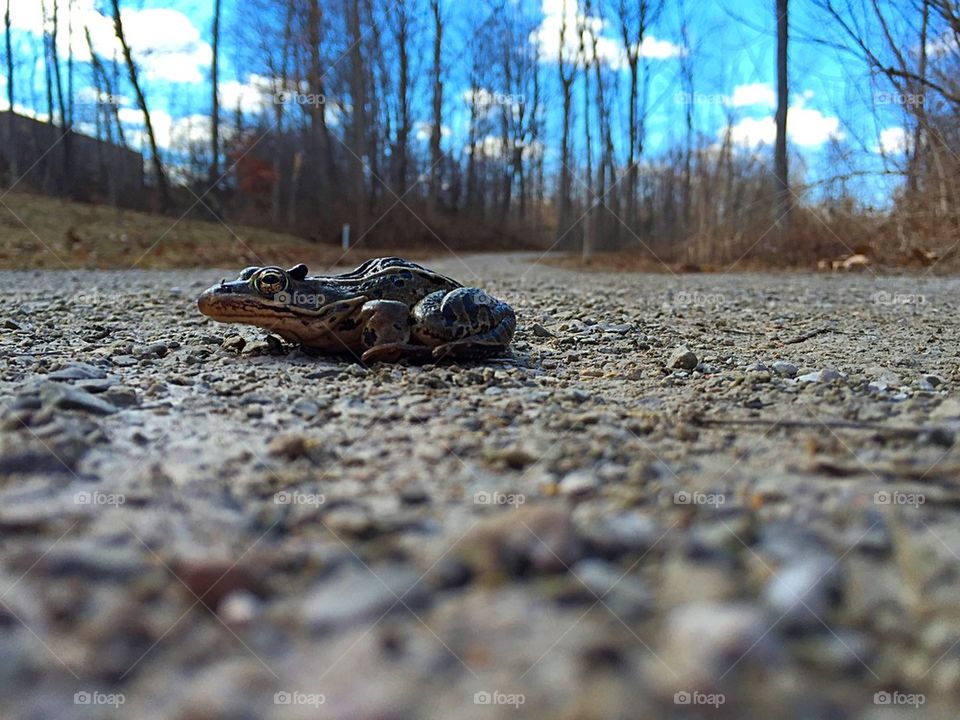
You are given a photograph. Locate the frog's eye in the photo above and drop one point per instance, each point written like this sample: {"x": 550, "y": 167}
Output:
{"x": 271, "y": 281}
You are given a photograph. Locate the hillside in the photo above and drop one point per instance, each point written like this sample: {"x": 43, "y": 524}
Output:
{"x": 50, "y": 233}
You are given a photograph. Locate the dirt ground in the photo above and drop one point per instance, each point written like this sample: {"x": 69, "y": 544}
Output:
{"x": 718, "y": 496}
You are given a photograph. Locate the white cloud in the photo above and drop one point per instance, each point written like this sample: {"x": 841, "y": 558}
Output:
{"x": 750, "y": 132}
{"x": 23, "y": 110}
{"x": 252, "y": 96}
{"x": 944, "y": 45}
{"x": 170, "y": 132}
{"x": 492, "y": 146}
{"x": 165, "y": 43}
{"x": 753, "y": 94}
{"x": 806, "y": 127}
{"x": 811, "y": 128}
{"x": 893, "y": 141}
{"x": 609, "y": 50}
{"x": 656, "y": 49}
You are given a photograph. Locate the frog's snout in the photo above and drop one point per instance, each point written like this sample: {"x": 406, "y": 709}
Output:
{"x": 208, "y": 300}
{"x": 203, "y": 302}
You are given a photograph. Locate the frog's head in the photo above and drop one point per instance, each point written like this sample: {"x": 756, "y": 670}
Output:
{"x": 278, "y": 300}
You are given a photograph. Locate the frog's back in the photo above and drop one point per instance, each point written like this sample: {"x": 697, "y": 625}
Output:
{"x": 378, "y": 266}
{"x": 389, "y": 278}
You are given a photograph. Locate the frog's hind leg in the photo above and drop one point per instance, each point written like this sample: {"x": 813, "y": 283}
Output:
{"x": 466, "y": 322}
{"x": 385, "y": 335}
{"x": 486, "y": 343}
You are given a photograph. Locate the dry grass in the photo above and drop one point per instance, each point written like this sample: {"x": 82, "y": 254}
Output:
{"x": 819, "y": 239}
{"x": 49, "y": 233}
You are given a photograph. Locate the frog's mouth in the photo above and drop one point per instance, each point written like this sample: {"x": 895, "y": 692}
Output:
{"x": 295, "y": 324}
{"x": 233, "y": 307}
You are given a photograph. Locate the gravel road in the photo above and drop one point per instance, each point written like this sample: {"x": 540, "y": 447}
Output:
{"x": 676, "y": 496}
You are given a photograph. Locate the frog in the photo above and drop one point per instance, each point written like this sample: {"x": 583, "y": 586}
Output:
{"x": 386, "y": 310}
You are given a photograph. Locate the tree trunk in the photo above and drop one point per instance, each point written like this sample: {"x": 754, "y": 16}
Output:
{"x": 70, "y": 108}
{"x": 13, "y": 169}
{"x": 276, "y": 197}
{"x": 780, "y": 169}
{"x": 113, "y": 87}
{"x": 215, "y": 97}
{"x": 913, "y": 168}
{"x": 358, "y": 126}
{"x": 435, "y": 130}
{"x": 165, "y": 200}
{"x": 401, "y": 149}
{"x": 590, "y": 219}
{"x": 566, "y": 84}
{"x": 66, "y": 181}
{"x": 472, "y": 146}
{"x": 321, "y": 172}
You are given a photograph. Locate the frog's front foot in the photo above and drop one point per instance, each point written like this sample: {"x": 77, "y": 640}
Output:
{"x": 386, "y": 333}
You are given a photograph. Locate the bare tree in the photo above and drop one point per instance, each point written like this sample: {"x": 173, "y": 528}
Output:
{"x": 437, "y": 122}
{"x": 12, "y": 154}
{"x": 473, "y": 133}
{"x": 872, "y": 31}
{"x": 690, "y": 100}
{"x": 165, "y": 199}
{"x": 105, "y": 85}
{"x": 321, "y": 161}
{"x": 589, "y": 216}
{"x": 568, "y": 73}
{"x": 215, "y": 96}
{"x": 358, "y": 121}
{"x": 780, "y": 169}
{"x": 635, "y": 18}
{"x": 401, "y": 148}
{"x": 70, "y": 93}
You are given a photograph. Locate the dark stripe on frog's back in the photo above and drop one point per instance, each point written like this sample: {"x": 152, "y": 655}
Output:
{"x": 378, "y": 265}
{"x": 371, "y": 265}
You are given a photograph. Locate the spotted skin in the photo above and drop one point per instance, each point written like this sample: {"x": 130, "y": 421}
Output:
{"x": 387, "y": 309}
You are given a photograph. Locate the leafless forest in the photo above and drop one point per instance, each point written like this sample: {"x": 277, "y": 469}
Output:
{"x": 482, "y": 126}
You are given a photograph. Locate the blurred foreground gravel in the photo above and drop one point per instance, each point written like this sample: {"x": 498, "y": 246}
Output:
{"x": 678, "y": 496}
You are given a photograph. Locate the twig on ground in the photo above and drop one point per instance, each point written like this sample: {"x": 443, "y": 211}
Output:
{"x": 893, "y": 431}
{"x": 808, "y": 335}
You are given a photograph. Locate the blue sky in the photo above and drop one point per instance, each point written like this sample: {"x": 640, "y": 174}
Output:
{"x": 730, "y": 47}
